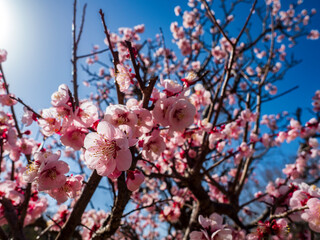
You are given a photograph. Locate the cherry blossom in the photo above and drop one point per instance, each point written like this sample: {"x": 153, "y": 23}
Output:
{"x": 107, "y": 149}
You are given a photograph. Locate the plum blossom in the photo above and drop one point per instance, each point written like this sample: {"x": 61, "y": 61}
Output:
{"x": 213, "y": 229}
{"x": 134, "y": 180}
{"x": 28, "y": 117}
{"x": 153, "y": 146}
{"x": 51, "y": 175}
{"x": 3, "y": 55}
{"x": 107, "y": 149}
{"x": 181, "y": 115}
{"x": 70, "y": 189}
{"x": 120, "y": 115}
{"x": 316, "y": 101}
{"x": 73, "y": 137}
{"x": 313, "y": 35}
{"x": 50, "y": 122}
{"x": 312, "y": 215}
{"x": 61, "y": 97}
{"x": 86, "y": 114}
{"x": 46, "y": 171}
{"x": 124, "y": 78}
{"x": 177, "y": 10}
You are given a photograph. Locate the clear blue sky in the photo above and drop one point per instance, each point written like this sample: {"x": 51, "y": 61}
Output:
{"x": 37, "y": 35}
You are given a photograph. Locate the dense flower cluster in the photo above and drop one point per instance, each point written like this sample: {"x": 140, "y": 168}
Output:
{"x": 182, "y": 150}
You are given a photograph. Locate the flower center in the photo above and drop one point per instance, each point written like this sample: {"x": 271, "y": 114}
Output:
{"x": 109, "y": 149}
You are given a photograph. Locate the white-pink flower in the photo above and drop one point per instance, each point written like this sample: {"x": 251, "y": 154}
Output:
{"x": 71, "y": 189}
{"x": 107, "y": 149}
{"x": 312, "y": 215}
{"x": 3, "y": 55}
{"x": 123, "y": 78}
{"x": 73, "y": 137}
{"x": 61, "y": 97}
{"x": 181, "y": 115}
{"x": 120, "y": 115}
{"x": 52, "y": 175}
{"x": 134, "y": 180}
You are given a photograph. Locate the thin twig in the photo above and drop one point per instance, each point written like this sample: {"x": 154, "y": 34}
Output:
{"x": 82, "y": 23}
{"x": 287, "y": 213}
{"x": 92, "y": 54}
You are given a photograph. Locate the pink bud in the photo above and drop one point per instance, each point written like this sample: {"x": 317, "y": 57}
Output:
{"x": 134, "y": 180}
{"x": 3, "y": 55}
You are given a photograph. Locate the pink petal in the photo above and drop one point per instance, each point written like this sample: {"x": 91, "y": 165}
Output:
{"x": 106, "y": 129}
{"x": 124, "y": 160}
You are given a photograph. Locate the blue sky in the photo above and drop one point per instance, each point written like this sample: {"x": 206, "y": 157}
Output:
{"x": 37, "y": 35}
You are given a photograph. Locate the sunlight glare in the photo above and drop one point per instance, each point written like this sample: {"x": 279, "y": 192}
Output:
{"x": 6, "y": 23}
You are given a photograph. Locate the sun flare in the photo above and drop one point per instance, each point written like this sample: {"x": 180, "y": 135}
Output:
{"x": 6, "y": 23}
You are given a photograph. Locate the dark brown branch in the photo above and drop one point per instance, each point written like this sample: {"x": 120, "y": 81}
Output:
{"x": 114, "y": 55}
{"x": 247, "y": 21}
{"x": 287, "y": 213}
{"x": 24, "y": 206}
{"x": 215, "y": 22}
{"x": 92, "y": 54}
{"x": 193, "y": 219}
{"x": 27, "y": 107}
{"x": 135, "y": 66}
{"x": 148, "y": 91}
{"x": 11, "y": 107}
{"x": 280, "y": 95}
{"x": 146, "y": 206}
{"x": 117, "y": 211}
{"x": 165, "y": 52}
{"x": 82, "y": 23}
{"x": 74, "y": 55}
{"x": 12, "y": 218}
{"x": 75, "y": 216}
{"x": 3, "y": 235}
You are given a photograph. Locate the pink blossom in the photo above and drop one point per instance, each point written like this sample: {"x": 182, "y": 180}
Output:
{"x": 60, "y": 218}
{"x": 71, "y": 189}
{"x": 312, "y": 215}
{"x": 171, "y": 87}
{"x": 153, "y": 146}
{"x": 177, "y": 10}
{"x": 86, "y": 114}
{"x": 3, "y": 55}
{"x": 181, "y": 115}
{"x": 185, "y": 46}
{"x": 27, "y": 118}
{"x": 313, "y": 35}
{"x": 144, "y": 123}
{"x": 51, "y": 175}
{"x": 61, "y": 97}
{"x": 161, "y": 109}
{"x": 271, "y": 89}
{"x": 200, "y": 97}
{"x": 139, "y": 28}
{"x": 107, "y": 149}
{"x": 124, "y": 78}
{"x": 213, "y": 229}
{"x": 177, "y": 32}
{"x": 119, "y": 114}
{"x": 171, "y": 213}
{"x": 189, "y": 19}
{"x": 6, "y": 100}
{"x": 37, "y": 206}
{"x": 316, "y": 101}
{"x": 8, "y": 190}
{"x": 50, "y": 122}
{"x": 134, "y": 180}
{"x": 73, "y": 137}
